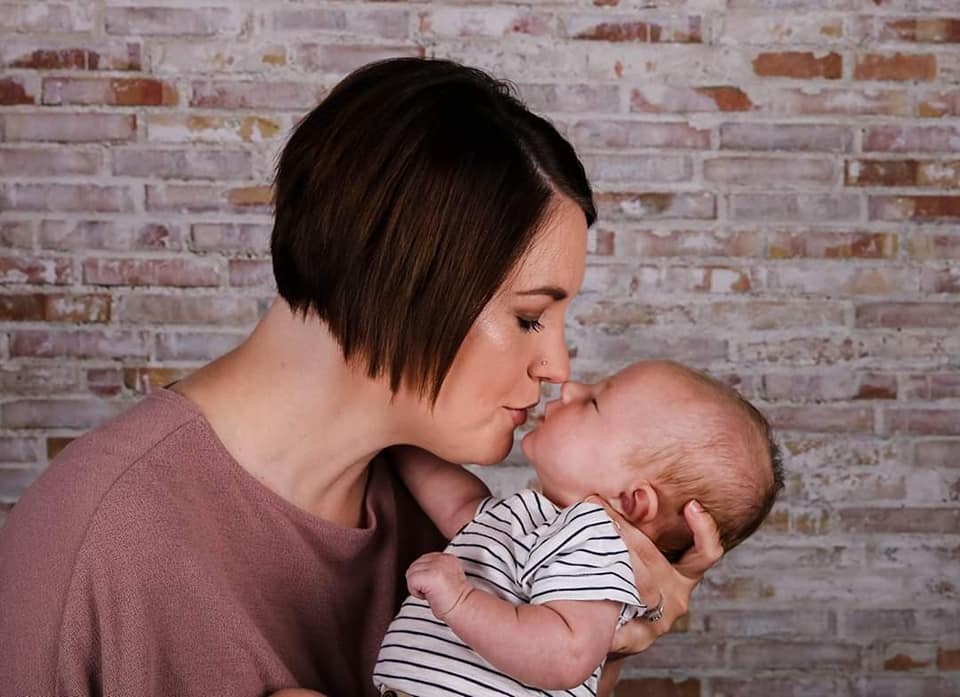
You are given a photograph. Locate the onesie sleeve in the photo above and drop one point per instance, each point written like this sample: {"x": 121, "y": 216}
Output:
{"x": 581, "y": 556}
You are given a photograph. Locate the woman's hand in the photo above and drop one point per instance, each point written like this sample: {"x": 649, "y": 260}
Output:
{"x": 655, "y": 575}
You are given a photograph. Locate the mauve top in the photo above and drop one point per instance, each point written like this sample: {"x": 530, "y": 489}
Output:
{"x": 146, "y": 561}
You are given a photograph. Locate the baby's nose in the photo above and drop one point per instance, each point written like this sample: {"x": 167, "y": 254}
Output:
{"x": 571, "y": 391}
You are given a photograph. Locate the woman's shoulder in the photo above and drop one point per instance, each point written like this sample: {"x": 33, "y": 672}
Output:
{"x": 56, "y": 511}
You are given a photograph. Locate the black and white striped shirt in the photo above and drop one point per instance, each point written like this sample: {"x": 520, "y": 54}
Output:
{"x": 528, "y": 551}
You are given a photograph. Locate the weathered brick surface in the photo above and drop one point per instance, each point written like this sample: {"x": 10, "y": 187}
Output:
{"x": 779, "y": 192}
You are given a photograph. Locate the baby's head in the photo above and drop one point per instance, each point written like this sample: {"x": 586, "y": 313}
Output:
{"x": 651, "y": 438}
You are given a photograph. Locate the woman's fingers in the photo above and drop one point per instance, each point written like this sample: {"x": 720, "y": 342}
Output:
{"x": 707, "y": 549}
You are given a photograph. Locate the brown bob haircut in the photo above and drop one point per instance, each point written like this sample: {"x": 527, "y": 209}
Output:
{"x": 404, "y": 200}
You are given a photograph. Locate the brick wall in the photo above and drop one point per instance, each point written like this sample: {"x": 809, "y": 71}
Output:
{"x": 779, "y": 186}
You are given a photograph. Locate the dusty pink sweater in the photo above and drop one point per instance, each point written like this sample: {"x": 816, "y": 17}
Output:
{"x": 147, "y": 561}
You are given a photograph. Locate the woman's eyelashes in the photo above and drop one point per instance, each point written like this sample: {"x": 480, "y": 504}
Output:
{"x": 530, "y": 325}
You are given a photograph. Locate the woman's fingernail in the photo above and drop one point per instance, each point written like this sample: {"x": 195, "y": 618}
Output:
{"x": 696, "y": 507}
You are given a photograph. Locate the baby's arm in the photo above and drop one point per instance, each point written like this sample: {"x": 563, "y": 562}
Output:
{"x": 554, "y": 646}
{"x": 447, "y": 493}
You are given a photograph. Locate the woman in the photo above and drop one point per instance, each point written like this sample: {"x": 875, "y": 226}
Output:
{"x": 241, "y": 531}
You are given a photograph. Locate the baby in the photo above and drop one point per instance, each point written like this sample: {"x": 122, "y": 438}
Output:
{"x": 529, "y": 592}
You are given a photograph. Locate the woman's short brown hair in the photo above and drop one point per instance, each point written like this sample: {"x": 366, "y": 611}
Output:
{"x": 402, "y": 202}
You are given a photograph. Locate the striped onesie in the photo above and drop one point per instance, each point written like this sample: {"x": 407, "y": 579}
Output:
{"x": 523, "y": 549}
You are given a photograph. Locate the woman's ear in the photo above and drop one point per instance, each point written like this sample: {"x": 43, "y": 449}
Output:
{"x": 640, "y": 504}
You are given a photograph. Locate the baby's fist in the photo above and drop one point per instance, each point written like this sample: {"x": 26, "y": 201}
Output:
{"x": 438, "y": 578}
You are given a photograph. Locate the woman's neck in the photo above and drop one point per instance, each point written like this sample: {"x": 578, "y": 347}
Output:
{"x": 295, "y": 416}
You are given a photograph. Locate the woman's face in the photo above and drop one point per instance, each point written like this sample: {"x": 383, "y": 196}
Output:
{"x": 516, "y": 342}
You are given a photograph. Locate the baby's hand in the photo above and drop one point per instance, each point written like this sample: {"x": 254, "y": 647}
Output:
{"x": 439, "y": 579}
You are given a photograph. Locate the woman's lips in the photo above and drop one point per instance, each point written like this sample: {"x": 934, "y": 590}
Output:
{"x": 519, "y": 416}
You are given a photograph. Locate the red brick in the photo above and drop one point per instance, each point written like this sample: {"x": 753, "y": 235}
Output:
{"x": 48, "y": 162}
{"x": 908, "y": 315}
{"x": 657, "y": 687}
{"x": 43, "y": 54}
{"x": 178, "y": 21}
{"x": 251, "y": 272}
{"x": 842, "y": 279}
{"x": 341, "y": 59}
{"x": 677, "y": 651}
{"x": 707, "y": 279}
{"x": 790, "y": 207}
{"x": 69, "y": 197}
{"x": 109, "y": 91}
{"x": 245, "y": 238}
{"x": 763, "y": 622}
{"x": 56, "y": 445}
{"x": 919, "y": 30}
{"x": 187, "y": 309}
{"x": 570, "y": 97}
{"x": 78, "y": 343}
{"x": 769, "y": 172}
{"x": 54, "y": 307}
{"x": 665, "y": 99}
{"x": 948, "y": 658}
{"x": 105, "y": 382}
{"x": 21, "y": 378}
{"x": 833, "y": 245}
{"x": 821, "y": 419}
{"x": 930, "y": 173}
{"x": 937, "y": 453}
{"x": 899, "y": 520}
{"x": 151, "y": 272}
{"x": 934, "y": 139}
{"x": 802, "y": 684}
{"x": 32, "y": 269}
{"x": 897, "y": 66}
{"x": 839, "y": 102}
{"x": 783, "y": 136}
{"x": 189, "y": 198}
{"x": 205, "y": 128}
{"x": 70, "y": 128}
{"x": 195, "y": 345}
{"x": 456, "y": 22}
{"x": 940, "y": 280}
{"x": 923, "y": 421}
{"x": 17, "y": 449}
{"x": 389, "y": 23}
{"x": 916, "y": 208}
{"x": 183, "y": 164}
{"x": 597, "y": 133}
{"x": 277, "y": 94}
{"x": 829, "y": 386}
{"x": 109, "y": 235}
{"x": 678, "y": 30}
{"x": 772, "y": 655}
{"x": 653, "y": 206}
{"x": 58, "y": 413}
{"x": 47, "y": 17}
{"x": 621, "y": 169}
{"x": 938, "y": 104}
{"x": 680, "y": 243}
{"x": 13, "y": 90}
{"x": 16, "y": 233}
{"x": 799, "y": 64}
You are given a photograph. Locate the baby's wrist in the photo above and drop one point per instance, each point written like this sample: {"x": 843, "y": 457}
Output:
{"x": 465, "y": 592}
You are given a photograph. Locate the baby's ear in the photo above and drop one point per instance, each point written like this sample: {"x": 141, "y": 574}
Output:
{"x": 641, "y": 504}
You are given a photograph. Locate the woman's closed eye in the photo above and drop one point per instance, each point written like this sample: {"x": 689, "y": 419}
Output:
{"x": 530, "y": 325}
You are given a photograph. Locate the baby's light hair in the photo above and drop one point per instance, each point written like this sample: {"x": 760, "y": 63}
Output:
{"x": 741, "y": 498}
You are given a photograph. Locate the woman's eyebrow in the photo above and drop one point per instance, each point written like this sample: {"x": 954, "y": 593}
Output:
{"x": 554, "y": 292}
